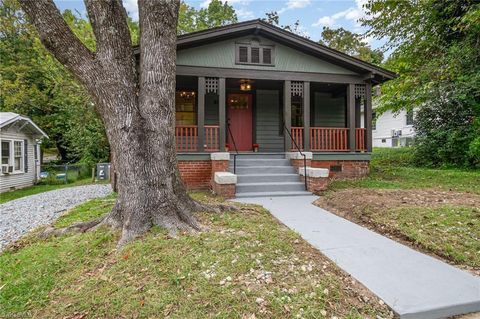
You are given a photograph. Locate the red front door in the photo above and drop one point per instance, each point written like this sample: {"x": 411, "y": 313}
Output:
{"x": 240, "y": 121}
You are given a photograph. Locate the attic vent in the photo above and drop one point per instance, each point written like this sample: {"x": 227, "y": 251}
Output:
{"x": 243, "y": 54}
{"x": 267, "y": 56}
{"x": 255, "y": 55}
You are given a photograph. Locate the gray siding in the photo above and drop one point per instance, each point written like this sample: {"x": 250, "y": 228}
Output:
{"x": 211, "y": 109}
{"x": 268, "y": 123}
{"x": 328, "y": 111}
{"x": 19, "y": 180}
{"x": 222, "y": 55}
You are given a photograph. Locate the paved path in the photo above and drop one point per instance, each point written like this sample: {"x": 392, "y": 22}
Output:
{"x": 19, "y": 216}
{"x": 414, "y": 285}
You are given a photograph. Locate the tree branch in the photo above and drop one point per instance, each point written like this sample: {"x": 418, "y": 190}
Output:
{"x": 57, "y": 37}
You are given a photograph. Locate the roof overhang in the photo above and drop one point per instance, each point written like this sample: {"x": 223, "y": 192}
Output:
{"x": 261, "y": 28}
{"x": 23, "y": 123}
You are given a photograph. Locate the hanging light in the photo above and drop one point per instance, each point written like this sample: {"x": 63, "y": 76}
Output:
{"x": 245, "y": 85}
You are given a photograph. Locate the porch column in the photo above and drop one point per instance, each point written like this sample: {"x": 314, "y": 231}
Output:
{"x": 351, "y": 116}
{"x": 368, "y": 116}
{"x": 306, "y": 116}
{"x": 201, "y": 114}
{"x": 287, "y": 113}
{"x": 222, "y": 114}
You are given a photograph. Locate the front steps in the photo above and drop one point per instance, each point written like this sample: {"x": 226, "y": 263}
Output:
{"x": 266, "y": 175}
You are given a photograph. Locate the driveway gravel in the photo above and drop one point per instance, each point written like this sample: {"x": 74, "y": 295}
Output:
{"x": 19, "y": 216}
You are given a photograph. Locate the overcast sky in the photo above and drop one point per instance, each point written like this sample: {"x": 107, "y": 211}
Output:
{"x": 312, "y": 14}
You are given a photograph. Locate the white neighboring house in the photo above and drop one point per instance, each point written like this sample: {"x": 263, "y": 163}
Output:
{"x": 20, "y": 140}
{"x": 392, "y": 129}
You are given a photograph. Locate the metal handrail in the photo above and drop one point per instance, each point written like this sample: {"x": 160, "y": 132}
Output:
{"x": 301, "y": 153}
{"x": 235, "y": 146}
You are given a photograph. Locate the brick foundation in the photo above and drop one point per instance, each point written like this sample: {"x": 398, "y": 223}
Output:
{"x": 349, "y": 169}
{"x": 226, "y": 190}
{"x": 299, "y": 162}
{"x": 316, "y": 184}
{"x": 196, "y": 174}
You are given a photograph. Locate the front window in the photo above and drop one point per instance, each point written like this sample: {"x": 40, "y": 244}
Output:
{"x": 255, "y": 53}
{"x": 185, "y": 112}
{"x": 17, "y": 155}
{"x": 12, "y": 154}
{"x": 6, "y": 149}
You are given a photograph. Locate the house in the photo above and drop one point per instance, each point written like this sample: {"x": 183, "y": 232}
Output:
{"x": 252, "y": 86}
{"x": 393, "y": 129}
{"x": 20, "y": 151}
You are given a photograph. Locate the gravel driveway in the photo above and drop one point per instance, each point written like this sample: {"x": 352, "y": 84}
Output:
{"x": 19, "y": 216}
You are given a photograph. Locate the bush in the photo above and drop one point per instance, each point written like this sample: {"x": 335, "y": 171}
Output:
{"x": 403, "y": 156}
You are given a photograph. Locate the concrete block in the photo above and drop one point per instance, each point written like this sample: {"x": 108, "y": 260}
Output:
{"x": 314, "y": 172}
{"x": 223, "y": 178}
{"x": 220, "y": 156}
{"x": 297, "y": 155}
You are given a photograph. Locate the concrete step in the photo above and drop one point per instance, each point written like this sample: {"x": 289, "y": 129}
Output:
{"x": 258, "y": 156}
{"x": 272, "y": 194}
{"x": 255, "y": 170}
{"x": 270, "y": 187}
{"x": 261, "y": 162}
{"x": 267, "y": 178}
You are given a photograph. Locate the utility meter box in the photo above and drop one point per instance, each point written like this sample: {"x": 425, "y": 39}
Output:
{"x": 103, "y": 171}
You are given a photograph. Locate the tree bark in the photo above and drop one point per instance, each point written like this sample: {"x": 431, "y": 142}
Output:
{"x": 137, "y": 109}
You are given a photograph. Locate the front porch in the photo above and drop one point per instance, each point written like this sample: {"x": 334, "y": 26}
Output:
{"x": 238, "y": 114}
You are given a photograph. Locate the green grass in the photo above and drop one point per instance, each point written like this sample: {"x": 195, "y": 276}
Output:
{"x": 216, "y": 273}
{"x": 40, "y": 188}
{"x": 451, "y": 231}
{"x": 390, "y": 169}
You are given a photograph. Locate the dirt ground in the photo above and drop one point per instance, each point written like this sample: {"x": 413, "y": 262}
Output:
{"x": 352, "y": 204}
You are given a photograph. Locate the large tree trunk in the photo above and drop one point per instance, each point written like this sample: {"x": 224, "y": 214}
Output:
{"x": 137, "y": 109}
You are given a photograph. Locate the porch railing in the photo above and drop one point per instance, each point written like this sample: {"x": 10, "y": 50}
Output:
{"x": 186, "y": 138}
{"x": 329, "y": 139}
{"x": 297, "y": 136}
{"x": 360, "y": 139}
{"x": 212, "y": 139}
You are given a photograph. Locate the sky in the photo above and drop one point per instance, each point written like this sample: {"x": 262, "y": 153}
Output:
{"x": 312, "y": 14}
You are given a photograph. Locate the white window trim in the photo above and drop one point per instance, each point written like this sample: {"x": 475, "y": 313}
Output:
{"x": 11, "y": 158}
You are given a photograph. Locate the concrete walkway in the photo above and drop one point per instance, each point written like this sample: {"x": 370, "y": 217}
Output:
{"x": 413, "y": 284}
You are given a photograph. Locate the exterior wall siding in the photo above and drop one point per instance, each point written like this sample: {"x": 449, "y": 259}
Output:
{"x": 328, "y": 111}
{"x": 19, "y": 180}
{"x": 222, "y": 55}
{"x": 268, "y": 125}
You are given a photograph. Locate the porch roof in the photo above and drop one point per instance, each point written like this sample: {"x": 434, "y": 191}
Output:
{"x": 262, "y": 28}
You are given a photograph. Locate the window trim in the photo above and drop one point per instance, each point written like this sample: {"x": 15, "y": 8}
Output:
{"x": 407, "y": 114}
{"x": 11, "y": 158}
{"x": 249, "y": 47}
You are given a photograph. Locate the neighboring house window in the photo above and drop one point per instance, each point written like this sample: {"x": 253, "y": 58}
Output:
{"x": 6, "y": 150}
{"x": 374, "y": 121}
{"x": 12, "y": 154}
{"x": 254, "y": 54}
{"x": 185, "y": 112}
{"x": 409, "y": 117}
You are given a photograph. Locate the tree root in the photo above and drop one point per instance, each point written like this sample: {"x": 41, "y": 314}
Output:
{"x": 79, "y": 227}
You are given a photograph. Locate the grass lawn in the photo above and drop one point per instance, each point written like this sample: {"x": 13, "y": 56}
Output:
{"x": 434, "y": 210}
{"x": 243, "y": 265}
{"x": 40, "y": 188}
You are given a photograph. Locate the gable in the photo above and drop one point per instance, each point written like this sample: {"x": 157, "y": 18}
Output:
{"x": 222, "y": 54}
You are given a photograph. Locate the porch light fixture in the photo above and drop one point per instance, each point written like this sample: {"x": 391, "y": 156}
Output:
{"x": 245, "y": 85}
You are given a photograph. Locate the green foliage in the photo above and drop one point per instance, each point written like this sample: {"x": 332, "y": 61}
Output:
{"x": 437, "y": 58}
{"x": 350, "y": 43}
{"x": 36, "y": 85}
{"x": 272, "y": 17}
{"x": 217, "y": 14}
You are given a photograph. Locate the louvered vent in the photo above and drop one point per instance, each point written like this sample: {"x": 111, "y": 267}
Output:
{"x": 243, "y": 54}
{"x": 255, "y": 55}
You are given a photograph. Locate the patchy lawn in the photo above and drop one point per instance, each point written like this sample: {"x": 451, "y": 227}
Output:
{"x": 40, "y": 188}
{"x": 243, "y": 265}
{"x": 434, "y": 210}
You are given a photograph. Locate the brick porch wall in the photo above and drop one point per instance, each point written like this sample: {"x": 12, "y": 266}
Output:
{"x": 350, "y": 169}
{"x": 196, "y": 174}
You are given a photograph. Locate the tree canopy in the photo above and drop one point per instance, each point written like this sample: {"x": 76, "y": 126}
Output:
{"x": 436, "y": 49}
